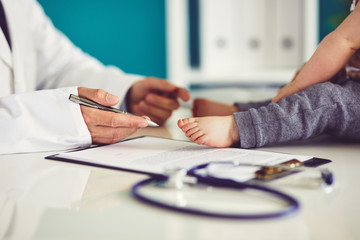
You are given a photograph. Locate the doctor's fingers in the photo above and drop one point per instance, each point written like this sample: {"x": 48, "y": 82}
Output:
{"x": 96, "y": 117}
{"x": 98, "y": 95}
{"x": 179, "y": 92}
{"x": 156, "y": 114}
{"x": 100, "y": 134}
{"x": 166, "y": 88}
{"x": 166, "y": 103}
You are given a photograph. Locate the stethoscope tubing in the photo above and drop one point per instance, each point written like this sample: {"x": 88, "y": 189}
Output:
{"x": 293, "y": 204}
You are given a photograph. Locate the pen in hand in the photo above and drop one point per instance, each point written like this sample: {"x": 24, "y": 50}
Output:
{"x": 90, "y": 103}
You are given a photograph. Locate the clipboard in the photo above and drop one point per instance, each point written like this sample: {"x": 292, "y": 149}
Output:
{"x": 140, "y": 155}
{"x": 61, "y": 158}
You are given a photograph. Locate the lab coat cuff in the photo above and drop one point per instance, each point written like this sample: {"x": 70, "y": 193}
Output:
{"x": 83, "y": 136}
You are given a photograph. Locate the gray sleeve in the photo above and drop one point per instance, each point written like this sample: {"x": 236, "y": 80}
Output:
{"x": 324, "y": 108}
{"x": 249, "y": 105}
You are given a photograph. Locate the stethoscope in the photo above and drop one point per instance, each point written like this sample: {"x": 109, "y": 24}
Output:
{"x": 197, "y": 176}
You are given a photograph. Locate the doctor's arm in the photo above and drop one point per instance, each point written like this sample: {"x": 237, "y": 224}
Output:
{"x": 332, "y": 54}
{"x": 47, "y": 121}
{"x": 62, "y": 64}
{"x": 41, "y": 121}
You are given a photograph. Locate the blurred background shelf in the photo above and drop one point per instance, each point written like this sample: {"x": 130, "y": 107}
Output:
{"x": 239, "y": 41}
{"x": 142, "y": 36}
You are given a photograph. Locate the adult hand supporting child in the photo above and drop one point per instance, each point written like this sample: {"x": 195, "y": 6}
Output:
{"x": 332, "y": 54}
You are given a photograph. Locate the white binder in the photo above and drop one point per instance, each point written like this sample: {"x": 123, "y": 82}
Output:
{"x": 217, "y": 35}
{"x": 288, "y": 33}
{"x": 252, "y": 34}
{"x": 242, "y": 41}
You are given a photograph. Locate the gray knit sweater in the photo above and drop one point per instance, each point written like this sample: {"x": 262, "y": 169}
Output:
{"x": 324, "y": 108}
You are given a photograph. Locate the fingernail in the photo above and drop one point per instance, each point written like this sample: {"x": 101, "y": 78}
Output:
{"x": 111, "y": 98}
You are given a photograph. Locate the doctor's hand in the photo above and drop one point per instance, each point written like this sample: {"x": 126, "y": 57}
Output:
{"x": 105, "y": 126}
{"x": 156, "y": 98}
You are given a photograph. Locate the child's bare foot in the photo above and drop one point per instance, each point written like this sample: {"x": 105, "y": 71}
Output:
{"x": 203, "y": 107}
{"x": 212, "y": 131}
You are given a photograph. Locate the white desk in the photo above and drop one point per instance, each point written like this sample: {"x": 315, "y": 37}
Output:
{"x": 44, "y": 199}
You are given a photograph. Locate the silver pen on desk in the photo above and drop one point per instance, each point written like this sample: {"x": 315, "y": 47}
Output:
{"x": 90, "y": 103}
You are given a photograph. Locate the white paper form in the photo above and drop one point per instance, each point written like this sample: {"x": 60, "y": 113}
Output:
{"x": 159, "y": 155}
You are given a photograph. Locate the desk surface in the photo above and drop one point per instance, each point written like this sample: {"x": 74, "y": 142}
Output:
{"x": 44, "y": 199}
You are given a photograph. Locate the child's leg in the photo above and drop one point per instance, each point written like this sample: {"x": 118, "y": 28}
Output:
{"x": 203, "y": 107}
{"x": 212, "y": 131}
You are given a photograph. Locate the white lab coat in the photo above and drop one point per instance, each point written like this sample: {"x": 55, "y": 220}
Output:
{"x": 36, "y": 78}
